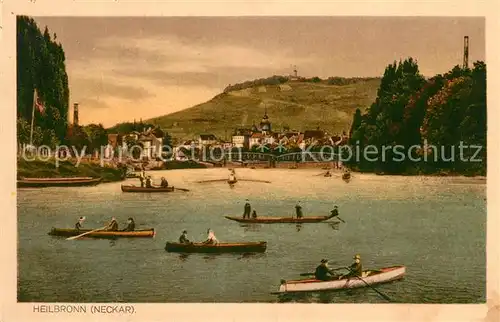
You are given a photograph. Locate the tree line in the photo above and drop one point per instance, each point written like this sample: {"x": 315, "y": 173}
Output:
{"x": 435, "y": 115}
{"x": 41, "y": 66}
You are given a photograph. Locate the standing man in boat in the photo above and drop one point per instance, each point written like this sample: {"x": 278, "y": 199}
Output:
{"x": 130, "y": 225}
{"x": 356, "y": 268}
{"x": 247, "y": 209}
{"x": 183, "y": 239}
{"x": 141, "y": 178}
{"x": 323, "y": 272}
{"x": 113, "y": 225}
{"x": 79, "y": 223}
{"x": 298, "y": 210}
{"x": 211, "y": 240}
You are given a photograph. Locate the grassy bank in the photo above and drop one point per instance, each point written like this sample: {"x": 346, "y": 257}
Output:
{"x": 48, "y": 169}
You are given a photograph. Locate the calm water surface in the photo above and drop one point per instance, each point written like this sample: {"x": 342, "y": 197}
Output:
{"x": 434, "y": 226}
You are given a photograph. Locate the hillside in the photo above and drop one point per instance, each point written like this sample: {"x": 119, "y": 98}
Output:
{"x": 296, "y": 104}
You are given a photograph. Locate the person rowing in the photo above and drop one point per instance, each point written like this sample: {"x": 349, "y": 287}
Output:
{"x": 334, "y": 212}
{"x": 254, "y": 214}
{"x": 79, "y": 223}
{"x": 323, "y": 272}
{"x": 130, "y": 225}
{"x": 113, "y": 225}
{"x": 356, "y": 268}
{"x": 298, "y": 210}
{"x": 148, "y": 182}
{"x": 183, "y": 239}
{"x": 211, "y": 240}
{"x": 164, "y": 182}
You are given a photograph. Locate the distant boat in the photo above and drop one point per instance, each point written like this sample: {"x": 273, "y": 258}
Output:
{"x": 58, "y": 182}
{"x": 70, "y": 232}
{"x": 144, "y": 189}
{"x": 279, "y": 220}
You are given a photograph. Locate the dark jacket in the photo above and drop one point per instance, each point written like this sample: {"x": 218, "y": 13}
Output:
{"x": 130, "y": 227}
{"x": 322, "y": 273}
{"x": 298, "y": 211}
{"x": 78, "y": 226}
{"x": 248, "y": 208}
{"x": 335, "y": 212}
{"x": 183, "y": 239}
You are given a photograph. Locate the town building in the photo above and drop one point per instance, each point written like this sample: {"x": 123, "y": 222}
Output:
{"x": 241, "y": 138}
{"x": 207, "y": 140}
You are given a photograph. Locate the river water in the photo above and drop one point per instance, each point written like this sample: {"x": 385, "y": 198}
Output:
{"x": 434, "y": 226}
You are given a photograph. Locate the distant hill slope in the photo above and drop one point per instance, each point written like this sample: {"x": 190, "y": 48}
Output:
{"x": 297, "y": 104}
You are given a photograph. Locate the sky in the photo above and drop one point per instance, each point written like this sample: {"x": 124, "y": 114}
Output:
{"x": 127, "y": 68}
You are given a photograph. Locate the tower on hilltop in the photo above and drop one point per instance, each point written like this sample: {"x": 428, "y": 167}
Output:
{"x": 75, "y": 114}
{"x": 466, "y": 52}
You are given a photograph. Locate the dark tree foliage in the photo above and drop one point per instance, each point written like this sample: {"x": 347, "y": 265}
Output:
{"x": 127, "y": 127}
{"x": 41, "y": 65}
{"x": 444, "y": 111}
{"x": 273, "y": 80}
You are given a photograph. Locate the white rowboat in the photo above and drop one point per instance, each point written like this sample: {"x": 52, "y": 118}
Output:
{"x": 383, "y": 275}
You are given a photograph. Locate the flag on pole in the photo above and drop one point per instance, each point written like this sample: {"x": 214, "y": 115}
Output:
{"x": 38, "y": 103}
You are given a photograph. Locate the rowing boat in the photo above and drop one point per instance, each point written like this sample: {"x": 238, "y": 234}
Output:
{"x": 69, "y": 232}
{"x": 58, "y": 182}
{"x": 232, "y": 181}
{"x": 251, "y": 247}
{"x": 383, "y": 275}
{"x": 57, "y": 179}
{"x": 280, "y": 220}
{"x": 126, "y": 188}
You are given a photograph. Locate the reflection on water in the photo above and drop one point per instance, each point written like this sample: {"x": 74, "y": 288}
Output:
{"x": 251, "y": 227}
{"x": 183, "y": 256}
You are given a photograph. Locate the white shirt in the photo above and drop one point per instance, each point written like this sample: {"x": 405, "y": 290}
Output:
{"x": 211, "y": 236}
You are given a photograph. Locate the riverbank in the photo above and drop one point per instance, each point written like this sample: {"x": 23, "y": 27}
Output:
{"x": 48, "y": 169}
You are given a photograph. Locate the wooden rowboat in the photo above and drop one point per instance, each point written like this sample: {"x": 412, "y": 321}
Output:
{"x": 69, "y": 232}
{"x": 57, "y": 179}
{"x": 58, "y": 182}
{"x": 252, "y": 247}
{"x": 280, "y": 220}
{"x": 383, "y": 275}
{"x": 232, "y": 181}
{"x": 144, "y": 189}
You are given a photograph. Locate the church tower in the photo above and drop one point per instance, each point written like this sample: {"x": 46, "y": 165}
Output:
{"x": 265, "y": 125}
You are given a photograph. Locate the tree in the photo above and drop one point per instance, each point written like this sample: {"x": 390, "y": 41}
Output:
{"x": 41, "y": 65}
{"x": 98, "y": 136}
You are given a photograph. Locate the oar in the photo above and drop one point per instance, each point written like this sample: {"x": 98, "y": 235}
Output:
{"x": 309, "y": 274}
{"x": 81, "y": 235}
{"x": 182, "y": 189}
{"x": 337, "y": 216}
{"x": 373, "y": 288}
